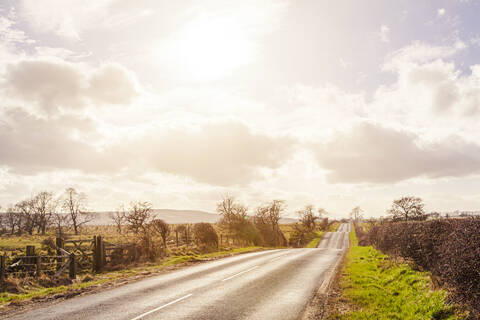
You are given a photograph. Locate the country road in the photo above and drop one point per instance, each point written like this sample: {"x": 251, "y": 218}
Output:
{"x": 273, "y": 284}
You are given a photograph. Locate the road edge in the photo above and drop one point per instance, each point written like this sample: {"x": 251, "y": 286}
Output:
{"x": 316, "y": 307}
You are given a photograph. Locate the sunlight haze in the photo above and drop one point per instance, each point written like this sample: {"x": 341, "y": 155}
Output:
{"x": 331, "y": 103}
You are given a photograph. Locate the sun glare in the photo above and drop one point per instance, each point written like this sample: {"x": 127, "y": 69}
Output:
{"x": 209, "y": 49}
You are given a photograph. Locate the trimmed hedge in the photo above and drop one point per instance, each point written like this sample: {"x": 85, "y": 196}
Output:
{"x": 448, "y": 248}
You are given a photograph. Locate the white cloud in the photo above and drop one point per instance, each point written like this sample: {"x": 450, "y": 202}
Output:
{"x": 475, "y": 40}
{"x": 8, "y": 32}
{"x": 344, "y": 64}
{"x": 384, "y": 33}
{"x": 428, "y": 87}
{"x": 70, "y": 19}
{"x": 419, "y": 52}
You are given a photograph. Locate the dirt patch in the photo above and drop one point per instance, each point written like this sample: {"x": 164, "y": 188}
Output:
{"x": 335, "y": 304}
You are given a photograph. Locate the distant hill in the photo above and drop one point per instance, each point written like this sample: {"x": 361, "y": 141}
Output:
{"x": 172, "y": 216}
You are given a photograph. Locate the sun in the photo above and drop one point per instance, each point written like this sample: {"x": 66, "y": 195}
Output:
{"x": 208, "y": 49}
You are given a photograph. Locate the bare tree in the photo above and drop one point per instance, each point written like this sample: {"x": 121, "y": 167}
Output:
{"x": 277, "y": 207}
{"x": 2, "y": 222}
{"x": 299, "y": 235}
{"x": 44, "y": 207}
{"x": 356, "y": 213}
{"x": 74, "y": 204}
{"x": 27, "y": 209}
{"x": 119, "y": 218}
{"x": 138, "y": 216}
{"x": 270, "y": 215}
{"x": 162, "y": 229}
{"x": 12, "y": 219}
{"x": 407, "y": 208}
{"x": 321, "y": 212}
{"x": 308, "y": 218}
{"x": 233, "y": 213}
{"x": 60, "y": 221}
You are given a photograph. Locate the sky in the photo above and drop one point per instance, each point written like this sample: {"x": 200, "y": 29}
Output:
{"x": 332, "y": 103}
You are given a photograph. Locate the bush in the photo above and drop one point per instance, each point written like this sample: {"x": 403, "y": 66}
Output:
{"x": 449, "y": 249}
{"x": 205, "y": 234}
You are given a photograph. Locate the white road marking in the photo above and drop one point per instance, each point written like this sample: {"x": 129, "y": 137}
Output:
{"x": 279, "y": 257}
{"x": 161, "y": 307}
{"x": 235, "y": 275}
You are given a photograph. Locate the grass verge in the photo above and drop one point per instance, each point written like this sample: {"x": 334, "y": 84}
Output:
{"x": 374, "y": 287}
{"x": 35, "y": 291}
{"x": 317, "y": 237}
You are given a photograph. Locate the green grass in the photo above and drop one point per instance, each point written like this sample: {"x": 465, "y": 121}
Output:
{"x": 19, "y": 242}
{"x": 377, "y": 288}
{"x": 333, "y": 227}
{"x": 317, "y": 237}
{"x": 102, "y": 278}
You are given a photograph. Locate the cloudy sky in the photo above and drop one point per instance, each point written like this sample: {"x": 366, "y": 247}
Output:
{"x": 333, "y": 103}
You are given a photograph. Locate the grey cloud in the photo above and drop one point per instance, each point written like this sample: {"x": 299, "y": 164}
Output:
{"x": 52, "y": 84}
{"x": 49, "y": 84}
{"x": 225, "y": 153}
{"x": 376, "y": 154}
{"x": 219, "y": 153}
{"x": 112, "y": 84}
{"x": 29, "y": 144}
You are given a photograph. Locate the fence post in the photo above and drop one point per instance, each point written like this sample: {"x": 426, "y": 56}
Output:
{"x": 30, "y": 253}
{"x": 60, "y": 244}
{"x": 2, "y": 267}
{"x": 94, "y": 254}
{"x": 72, "y": 271}
{"x": 38, "y": 262}
{"x": 221, "y": 239}
{"x": 103, "y": 253}
{"x": 176, "y": 236}
{"x": 30, "y": 257}
{"x": 98, "y": 253}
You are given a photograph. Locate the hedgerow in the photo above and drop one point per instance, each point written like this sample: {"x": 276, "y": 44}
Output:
{"x": 448, "y": 248}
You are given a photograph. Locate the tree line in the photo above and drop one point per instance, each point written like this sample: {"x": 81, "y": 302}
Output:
{"x": 407, "y": 208}
{"x": 43, "y": 211}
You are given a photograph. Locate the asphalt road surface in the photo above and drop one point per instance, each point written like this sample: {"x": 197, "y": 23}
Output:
{"x": 274, "y": 284}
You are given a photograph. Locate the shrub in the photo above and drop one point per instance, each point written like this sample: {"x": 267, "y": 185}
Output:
{"x": 205, "y": 234}
{"x": 449, "y": 249}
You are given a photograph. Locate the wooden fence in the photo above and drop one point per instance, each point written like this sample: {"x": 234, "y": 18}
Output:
{"x": 36, "y": 265}
{"x": 71, "y": 256}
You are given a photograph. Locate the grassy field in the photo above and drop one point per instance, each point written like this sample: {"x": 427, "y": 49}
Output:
{"x": 376, "y": 288}
{"x": 317, "y": 237}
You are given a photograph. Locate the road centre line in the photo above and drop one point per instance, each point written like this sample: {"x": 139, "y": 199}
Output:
{"x": 161, "y": 307}
{"x": 237, "y": 274}
{"x": 279, "y": 257}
